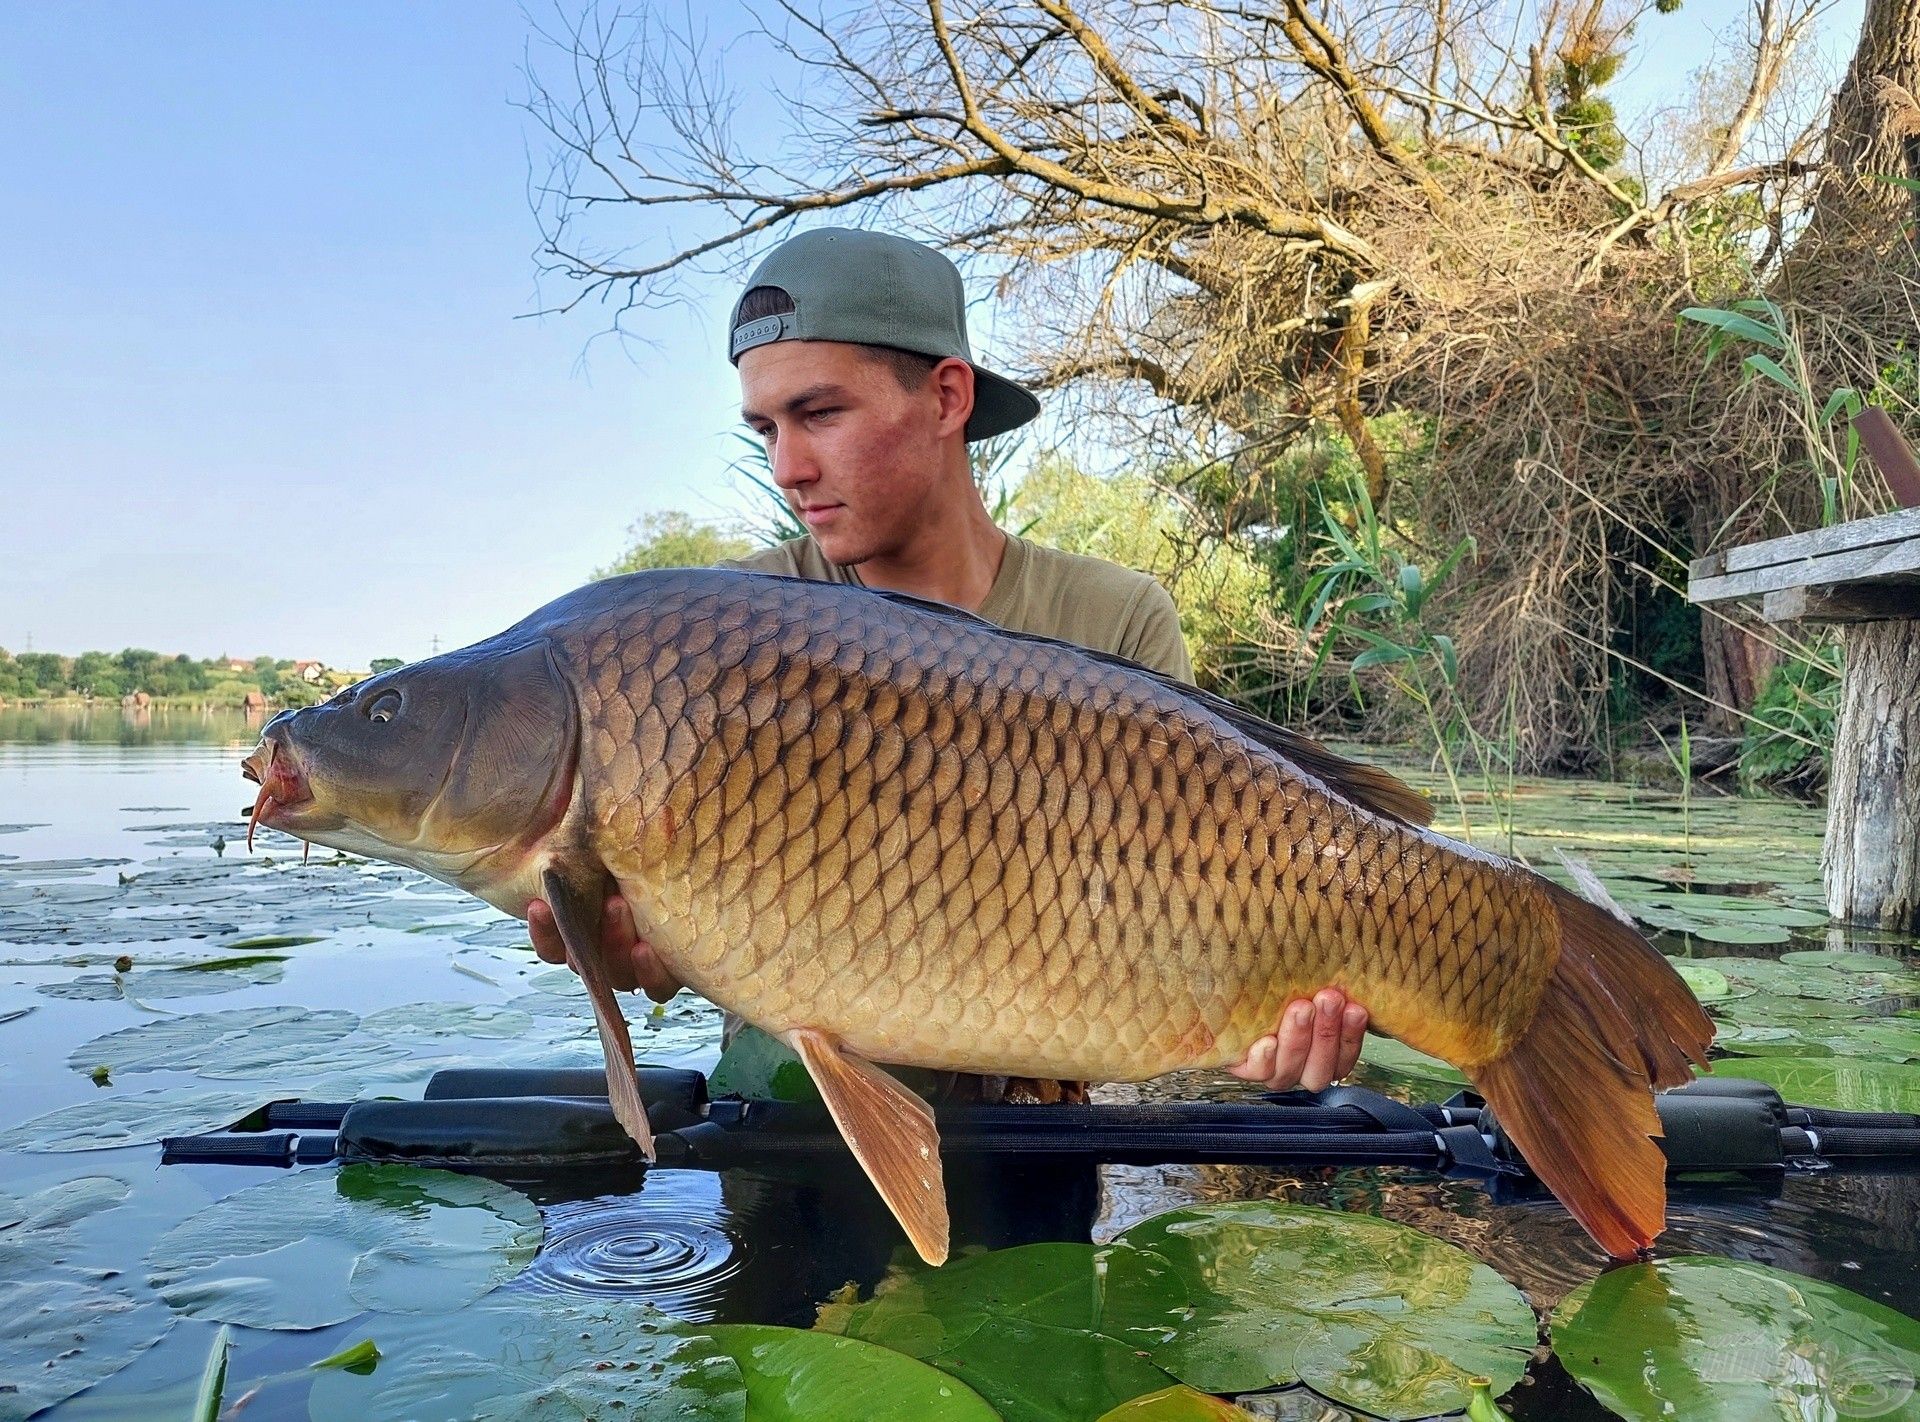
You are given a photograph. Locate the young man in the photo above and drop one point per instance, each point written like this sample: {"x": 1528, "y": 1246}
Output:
{"x": 856, "y": 371}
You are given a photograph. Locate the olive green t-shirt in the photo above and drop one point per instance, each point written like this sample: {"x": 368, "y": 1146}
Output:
{"x": 1087, "y": 601}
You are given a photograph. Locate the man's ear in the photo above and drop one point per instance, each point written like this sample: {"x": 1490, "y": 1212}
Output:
{"x": 953, "y": 383}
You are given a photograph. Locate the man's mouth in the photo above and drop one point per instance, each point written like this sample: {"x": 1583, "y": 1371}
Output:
{"x": 281, "y": 784}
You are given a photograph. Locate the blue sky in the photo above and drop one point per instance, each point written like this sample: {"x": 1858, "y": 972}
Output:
{"x": 263, "y": 388}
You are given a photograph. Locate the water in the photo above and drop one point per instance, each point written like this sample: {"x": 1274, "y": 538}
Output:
{"x": 156, "y": 799}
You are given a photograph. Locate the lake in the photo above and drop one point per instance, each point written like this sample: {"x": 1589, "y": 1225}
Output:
{"x": 129, "y": 900}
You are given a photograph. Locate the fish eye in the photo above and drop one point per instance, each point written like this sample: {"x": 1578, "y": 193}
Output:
{"x": 384, "y": 707}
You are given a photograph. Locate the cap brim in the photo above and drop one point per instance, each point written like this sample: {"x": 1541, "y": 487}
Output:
{"x": 998, "y": 405}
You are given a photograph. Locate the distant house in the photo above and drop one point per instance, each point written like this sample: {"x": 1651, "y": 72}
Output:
{"x": 136, "y": 699}
{"x": 310, "y": 672}
{"x": 234, "y": 664}
{"x": 255, "y": 701}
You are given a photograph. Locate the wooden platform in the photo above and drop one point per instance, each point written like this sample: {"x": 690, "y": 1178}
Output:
{"x": 1866, "y": 575}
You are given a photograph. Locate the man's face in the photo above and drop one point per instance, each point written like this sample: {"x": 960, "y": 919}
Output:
{"x": 855, "y": 454}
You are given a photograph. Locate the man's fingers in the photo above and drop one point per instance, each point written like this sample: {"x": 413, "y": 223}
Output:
{"x": 1323, "y": 1055}
{"x": 626, "y": 947}
{"x": 1258, "y": 1065}
{"x": 1353, "y": 1035}
{"x": 1296, "y": 1036}
{"x": 544, "y": 932}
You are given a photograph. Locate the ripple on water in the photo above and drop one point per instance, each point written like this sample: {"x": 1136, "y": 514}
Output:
{"x": 671, "y": 1244}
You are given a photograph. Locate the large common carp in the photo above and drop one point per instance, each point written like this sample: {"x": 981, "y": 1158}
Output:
{"x": 887, "y": 831}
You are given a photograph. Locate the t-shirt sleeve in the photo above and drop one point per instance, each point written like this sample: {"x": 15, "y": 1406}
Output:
{"x": 1153, "y": 637}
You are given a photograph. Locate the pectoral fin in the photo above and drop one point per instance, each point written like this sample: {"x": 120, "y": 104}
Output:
{"x": 577, "y": 915}
{"x": 891, "y": 1133}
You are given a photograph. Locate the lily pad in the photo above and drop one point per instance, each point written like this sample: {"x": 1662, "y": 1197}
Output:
{"x": 1392, "y": 1055}
{"x": 1367, "y": 1312}
{"x": 136, "y": 1118}
{"x": 60, "y": 1336}
{"x": 1841, "y": 1083}
{"x": 756, "y": 1067}
{"x": 1723, "y": 1340}
{"x": 1044, "y": 1332}
{"x": 159, "y": 983}
{"x": 316, "y": 1247}
{"x": 34, "y": 1229}
{"x": 793, "y": 1375}
{"x": 447, "y": 1019}
{"x": 539, "y": 1357}
{"x": 1177, "y": 1404}
{"x": 241, "y": 1041}
{"x": 1708, "y": 984}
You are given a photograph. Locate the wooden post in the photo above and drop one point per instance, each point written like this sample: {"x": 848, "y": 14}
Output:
{"x": 1871, "y": 860}
{"x": 1863, "y": 577}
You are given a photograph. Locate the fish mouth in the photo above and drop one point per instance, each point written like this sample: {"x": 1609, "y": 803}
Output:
{"x": 282, "y": 787}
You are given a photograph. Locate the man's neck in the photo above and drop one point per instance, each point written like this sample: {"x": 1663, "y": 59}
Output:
{"x": 953, "y": 558}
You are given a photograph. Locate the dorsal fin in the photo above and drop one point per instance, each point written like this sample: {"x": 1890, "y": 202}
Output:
{"x": 1367, "y": 786}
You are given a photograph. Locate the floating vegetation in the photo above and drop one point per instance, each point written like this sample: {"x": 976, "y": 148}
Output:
{"x": 1721, "y": 1340}
{"x": 1224, "y": 1298}
{"x": 135, "y": 1118}
{"x": 318, "y": 1246}
{"x": 540, "y": 1358}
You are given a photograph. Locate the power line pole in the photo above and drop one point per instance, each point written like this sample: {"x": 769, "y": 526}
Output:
{"x": 436, "y": 644}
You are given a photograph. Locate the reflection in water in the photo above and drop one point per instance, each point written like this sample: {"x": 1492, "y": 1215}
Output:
{"x": 104, "y": 724}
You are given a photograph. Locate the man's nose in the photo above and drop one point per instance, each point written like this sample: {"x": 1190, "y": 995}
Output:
{"x": 792, "y": 465}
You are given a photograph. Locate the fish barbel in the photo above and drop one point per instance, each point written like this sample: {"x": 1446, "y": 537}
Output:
{"x": 885, "y": 830}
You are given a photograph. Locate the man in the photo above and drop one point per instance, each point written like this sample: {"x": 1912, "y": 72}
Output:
{"x": 856, "y": 371}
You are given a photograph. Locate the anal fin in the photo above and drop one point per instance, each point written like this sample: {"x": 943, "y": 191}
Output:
{"x": 890, "y": 1131}
{"x": 576, "y": 915}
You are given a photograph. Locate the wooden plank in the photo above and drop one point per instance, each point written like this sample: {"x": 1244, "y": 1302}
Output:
{"x": 1879, "y": 562}
{"x": 1891, "y": 454}
{"x": 1859, "y": 533}
{"x": 1856, "y": 602}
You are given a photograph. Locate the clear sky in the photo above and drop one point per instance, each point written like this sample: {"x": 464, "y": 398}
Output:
{"x": 262, "y": 385}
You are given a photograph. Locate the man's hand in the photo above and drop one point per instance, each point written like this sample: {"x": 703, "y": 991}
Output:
{"x": 1316, "y": 1044}
{"x": 631, "y": 961}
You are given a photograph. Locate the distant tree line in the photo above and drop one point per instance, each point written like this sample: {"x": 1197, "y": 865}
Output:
{"x": 36, "y": 676}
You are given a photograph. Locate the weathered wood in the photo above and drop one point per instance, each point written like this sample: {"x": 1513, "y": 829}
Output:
{"x": 1856, "y": 602}
{"x": 1871, "y": 861}
{"x": 1891, "y": 454}
{"x": 1865, "y": 550}
{"x": 1895, "y": 527}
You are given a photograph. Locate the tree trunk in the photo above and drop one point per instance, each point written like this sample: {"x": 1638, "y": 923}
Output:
{"x": 1734, "y": 663}
{"x": 1871, "y": 861}
{"x": 1871, "y": 135}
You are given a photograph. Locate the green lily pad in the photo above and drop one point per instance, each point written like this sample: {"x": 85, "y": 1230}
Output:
{"x": 1722, "y": 1340}
{"x": 1367, "y": 1312}
{"x": 1177, "y": 1404}
{"x": 318, "y": 1246}
{"x": 158, "y": 983}
{"x": 793, "y": 1375}
{"x": 245, "y": 1041}
{"x": 135, "y": 1118}
{"x": 1044, "y": 1332}
{"x": 1707, "y": 984}
{"x": 1392, "y": 1055}
{"x": 756, "y": 1067}
{"x": 1838, "y": 1082}
{"x": 60, "y": 1336}
{"x": 272, "y": 940}
{"x": 539, "y": 1357}
{"x": 1845, "y": 962}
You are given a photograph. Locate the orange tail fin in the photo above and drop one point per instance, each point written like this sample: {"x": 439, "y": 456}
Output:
{"x": 1574, "y": 1091}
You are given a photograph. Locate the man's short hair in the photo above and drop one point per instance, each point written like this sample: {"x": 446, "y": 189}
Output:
{"x": 910, "y": 368}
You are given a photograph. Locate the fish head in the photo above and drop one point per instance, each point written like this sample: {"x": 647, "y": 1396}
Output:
{"x": 459, "y": 766}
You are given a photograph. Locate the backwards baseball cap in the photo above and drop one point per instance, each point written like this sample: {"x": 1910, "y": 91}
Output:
{"x": 875, "y": 289}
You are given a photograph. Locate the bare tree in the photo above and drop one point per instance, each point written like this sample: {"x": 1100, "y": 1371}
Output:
{"x": 1237, "y": 227}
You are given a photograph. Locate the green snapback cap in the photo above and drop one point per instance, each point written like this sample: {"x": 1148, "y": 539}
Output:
{"x": 875, "y": 289}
